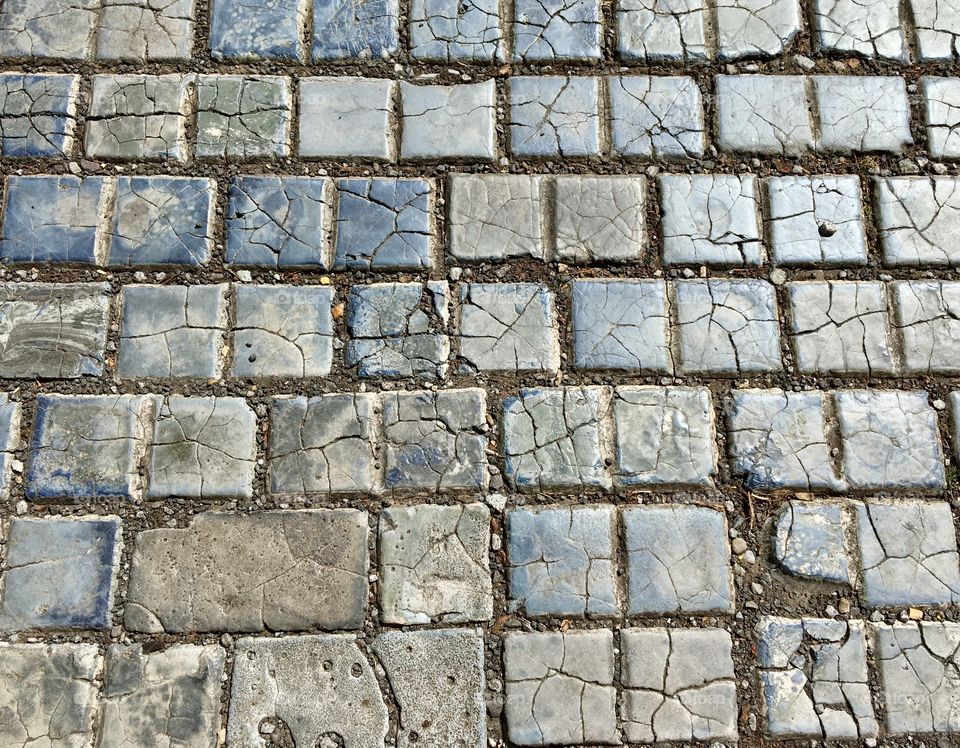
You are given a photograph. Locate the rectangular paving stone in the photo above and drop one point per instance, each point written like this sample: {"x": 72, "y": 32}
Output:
{"x": 142, "y": 30}
{"x": 554, "y": 116}
{"x": 242, "y": 117}
{"x": 662, "y": 30}
{"x": 937, "y": 28}
{"x": 347, "y": 117}
{"x": 37, "y": 114}
{"x": 448, "y": 122}
{"x": 941, "y": 101}
{"x": 554, "y": 30}
{"x": 48, "y": 28}
{"x": 763, "y": 114}
{"x": 444, "y": 30}
{"x": 865, "y": 29}
{"x": 273, "y": 571}
{"x": 809, "y": 541}
{"x": 862, "y": 114}
{"x": 9, "y": 439}
{"x": 355, "y": 29}
{"x": 656, "y": 117}
{"x": 918, "y": 218}
{"x": 250, "y": 31}
{"x": 756, "y": 28}
{"x": 925, "y": 316}
{"x": 599, "y": 219}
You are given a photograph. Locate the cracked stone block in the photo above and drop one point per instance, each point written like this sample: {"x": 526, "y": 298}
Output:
{"x": 554, "y": 116}
{"x": 908, "y": 551}
{"x": 37, "y": 114}
{"x": 928, "y": 320}
{"x": 678, "y": 685}
{"x": 814, "y": 678}
{"x": 869, "y": 29}
{"x": 890, "y": 440}
{"x": 656, "y": 117}
{"x": 727, "y": 327}
{"x": 86, "y": 446}
{"x": 620, "y": 324}
{"x": 138, "y": 117}
{"x": 763, "y": 114}
{"x": 241, "y": 29}
{"x": 665, "y": 436}
{"x": 778, "y": 440}
{"x": 445, "y": 31}
{"x": 508, "y": 327}
{"x": 9, "y": 440}
{"x": 53, "y": 330}
{"x": 919, "y": 219}
{"x": 756, "y": 28}
{"x": 816, "y": 221}
{"x": 398, "y": 329}
{"x": 438, "y": 680}
{"x": 283, "y": 331}
{"x": 560, "y": 688}
{"x": 322, "y": 444}
{"x": 941, "y": 99}
{"x": 495, "y": 217}
{"x": 317, "y": 690}
{"x": 171, "y": 697}
{"x": 48, "y": 28}
{"x": 711, "y": 219}
{"x": 384, "y": 224}
{"x": 556, "y": 438}
{"x": 272, "y": 571}
{"x": 808, "y": 541}
{"x": 243, "y": 117}
{"x": 434, "y": 564}
{"x": 937, "y": 27}
{"x": 50, "y": 696}
{"x": 59, "y": 573}
{"x": 355, "y": 29}
{"x": 862, "y": 114}
{"x": 678, "y": 560}
{"x": 346, "y": 117}
{"x": 52, "y": 219}
{"x": 172, "y": 331}
{"x": 449, "y": 122}
{"x": 553, "y": 30}
{"x": 562, "y": 561}
{"x": 840, "y": 327}
{"x": 662, "y": 30}
{"x": 599, "y": 219}
{"x": 435, "y": 440}
{"x": 203, "y": 448}
{"x": 146, "y": 30}
{"x": 162, "y": 221}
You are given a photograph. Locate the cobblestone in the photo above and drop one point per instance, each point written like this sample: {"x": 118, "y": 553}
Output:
{"x": 37, "y": 114}
{"x": 554, "y": 117}
{"x": 599, "y": 219}
{"x": 556, "y": 30}
{"x": 448, "y": 122}
{"x": 873, "y": 30}
{"x": 917, "y": 218}
{"x": 141, "y": 30}
{"x": 245, "y": 31}
{"x": 357, "y": 110}
{"x": 656, "y": 117}
{"x": 351, "y": 29}
{"x": 763, "y": 114}
{"x": 242, "y": 118}
{"x": 48, "y": 28}
{"x": 447, "y": 31}
{"x": 809, "y": 541}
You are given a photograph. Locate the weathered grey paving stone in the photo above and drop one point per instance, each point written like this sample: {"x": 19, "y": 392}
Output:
{"x": 765, "y": 114}
{"x": 384, "y": 224}
{"x": 162, "y": 221}
{"x": 449, "y": 122}
{"x": 556, "y": 438}
{"x": 86, "y": 445}
{"x": 9, "y": 439}
{"x": 941, "y": 98}
{"x": 438, "y": 680}
{"x": 620, "y": 324}
{"x": 495, "y": 217}
{"x": 554, "y": 116}
{"x": 283, "y": 331}
{"x": 656, "y": 117}
{"x": 808, "y": 541}
{"x": 508, "y": 327}
{"x": 434, "y": 564}
{"x": 919, "y": 218}
{"x": 138, "y": 117}
{"x": 937, "y": 27}
{"x": 141, "y": 30}
{"x": 816, "y": 221}
{"x": 59, "y": 573}
{"x": 398, "y": 329}
{"x": 243, "y": 30}
{"x": 435, "y": 440}
{"x": 346, "y": 118}
{"x": 59, "y": 707}
{"x": 861, "y": 113}
{"x": 662, "y": 30}
{"x": 446, "y": 30}
{"x": 868, "y": 29}
{"x": 203, "y": 447}
{"x": 918, "y": 664}
{"x": 172, "y": 331}
{"x": 678, "y": 685}
{"x": 48, "y": 28}
{"x": 562, "y": 561}
{"x": 665, "y": 436}
{"x": 840, "y": 327}
{"x": 242, "y": 117}
{"x": 37, "y": 114}
{"x": 778, "y": 440}
{"x": 710, "y": 219}
{"x": 890, "y": 440}
{"x": 556, "y": 30}
{"x": 273, "y": 571}
{"x": 169, "y": 698}
{"x": 727, "y": 327}
{"x": 52, "y": 219}
{"x": 349, "y": 29}
{"x": 756, "y": 28}
{"x": 322, "y": 444}
{"x": 814, "y": 678}
{"x": 560, "y": 688}
{"x": 317, "y": 689}
{"x": 599, "y": 219}
{"x": 53, "y": 330}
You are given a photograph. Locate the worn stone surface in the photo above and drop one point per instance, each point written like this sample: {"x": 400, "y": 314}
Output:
{"x": 141, "y": 30}
{"x": 248, "y": 31}
{"x": 868, "y": 29}
{"x": 763, "y": 114}
{"x": 809, "y": 541}
{"x": 243, "y": 117}
{"x": 937, "y": 24}
{"x": 918, "y": 218}
{"x": 656, "y": 117}
{"x": 556, "y": 30}
{"x": 445, "y": 30}
{"x": 599, "y": 219}
{"x": 351, "y": 29}
{"x": 48, "y": 28}
{"x": 756, "y": 28}
{"x": 662, "y": 30}
{"x": 37, "y": 114}
{"x": 10, "y": 413}
{"x": 862, "y": 113}
{"x": 554, "y": 116}
{"x": 343, "y": 117}
{"x": 448, "y": 122}
{"x": 942, "y": 110}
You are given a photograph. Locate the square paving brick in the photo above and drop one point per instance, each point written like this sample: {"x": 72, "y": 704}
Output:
{"x": 37, "y": 114}
{"x": 927, "y": 317}
{"x": 656, "y": 117}
{"x": 763, "y": 114}
{"x": 918, "y": 218}
{"x": 554, "y": 116}
{"x": 662, "y": 31}
{"x": 862, "y": 113}
{"x": 449, "y": 122}
{"x": 243, "y": 30}
{"x": 599, "y": 219}
{"x": 756, "y": 28}
{"x": 937, "y": 28}
{"x": 562, "y": 561}
{"x": 9, "y": 440}
{"x": 809, "y": 541}
{"x": 868, "y": 29}
{"x": 941, "y": 98}
{"x": 48, "y": 28}
{"x": 355, "y": 29}
{"x": 59, "y": 573}
{"x": 346, "y": 118}
{"x": 142, "y": 30}
{"x": 552, "y": 30}
{"x": 243, "y": 117}
{"x": 448, "y": 30}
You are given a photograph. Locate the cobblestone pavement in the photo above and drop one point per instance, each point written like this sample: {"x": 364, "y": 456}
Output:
{"x": 479, "y": 374}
